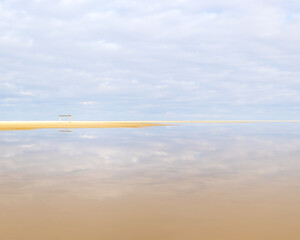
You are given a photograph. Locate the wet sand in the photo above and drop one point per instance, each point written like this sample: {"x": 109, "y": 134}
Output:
{"x": 202, "y": 182}
{"x": 30, "y": 125}
{"x": 267, "y": 212}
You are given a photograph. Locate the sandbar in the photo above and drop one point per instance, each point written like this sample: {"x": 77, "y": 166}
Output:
{"x": 30, "y": 125}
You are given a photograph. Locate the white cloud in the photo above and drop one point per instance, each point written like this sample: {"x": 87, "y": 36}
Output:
{"x": 88, "y": 136}
{"x": 130, "y": 54}
{"x": 8, "y": 104}
{"x": 103, "y": 45}
{"x": 26, "y": 93}
{"x": 88, "y": 103}
{"x": 73, "y": 2}
{"x": 9, "y": 100}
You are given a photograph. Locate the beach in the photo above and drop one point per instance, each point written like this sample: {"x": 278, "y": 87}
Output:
{"x": 30, "y": 125}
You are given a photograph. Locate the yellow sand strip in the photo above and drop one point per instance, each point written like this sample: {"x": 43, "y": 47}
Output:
{"x": 29, "y": 125}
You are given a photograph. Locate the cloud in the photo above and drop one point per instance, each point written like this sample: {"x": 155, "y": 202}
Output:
{"x": 182, "y": 58}
{"x": 88, "y": 103}
{"x": 88, "y": 136}
{"x": 26, "y": 93}
{"x": 202, "y": 157}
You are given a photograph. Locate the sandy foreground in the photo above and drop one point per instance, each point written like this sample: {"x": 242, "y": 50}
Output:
{"x": 29, "y": 125}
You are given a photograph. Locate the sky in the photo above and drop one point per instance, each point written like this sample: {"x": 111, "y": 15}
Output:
{"x": 150, "y": 60}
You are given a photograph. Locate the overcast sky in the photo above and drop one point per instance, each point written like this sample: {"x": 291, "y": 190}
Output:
{"x": 135, "y": 60}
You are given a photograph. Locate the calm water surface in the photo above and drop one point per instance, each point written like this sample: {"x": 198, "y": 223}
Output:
{"x": 206, "y": 181}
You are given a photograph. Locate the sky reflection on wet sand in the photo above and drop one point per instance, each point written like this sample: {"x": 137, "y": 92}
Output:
{"x": 213, "y": 181}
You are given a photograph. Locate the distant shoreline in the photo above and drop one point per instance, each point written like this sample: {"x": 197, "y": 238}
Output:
{"x": 30, "y": 125}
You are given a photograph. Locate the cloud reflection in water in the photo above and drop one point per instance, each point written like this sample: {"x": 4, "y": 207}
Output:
{"x": 101, "y": 164}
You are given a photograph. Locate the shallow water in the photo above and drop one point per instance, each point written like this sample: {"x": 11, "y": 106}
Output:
{"x": 206, "y": 181}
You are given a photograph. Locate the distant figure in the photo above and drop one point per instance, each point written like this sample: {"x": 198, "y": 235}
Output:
{"x": 60, "y": 116}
